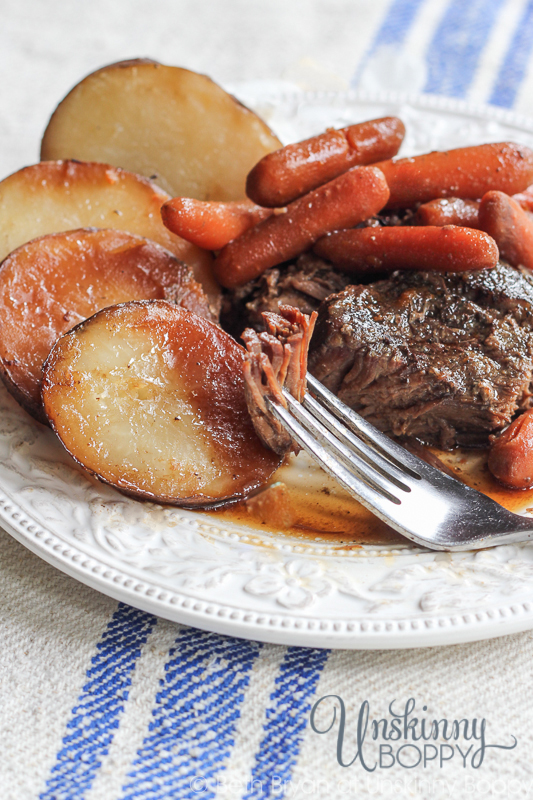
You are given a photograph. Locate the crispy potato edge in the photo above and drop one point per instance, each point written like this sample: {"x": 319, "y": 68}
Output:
{"x": 199, "y": 502}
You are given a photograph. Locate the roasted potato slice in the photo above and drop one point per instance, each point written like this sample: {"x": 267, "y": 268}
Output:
{"x": 150, "y": 398}
{"x": 178, "y": 126}
{"x": 51, "y": 284}
{"x": 63, "y": 195}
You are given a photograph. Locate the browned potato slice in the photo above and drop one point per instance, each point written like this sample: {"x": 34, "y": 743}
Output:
{"x": 150, "y": 399}
{"x": 167, "y": 122}
{"x": 51, "y": 284}
{"x": 64, "y": 195}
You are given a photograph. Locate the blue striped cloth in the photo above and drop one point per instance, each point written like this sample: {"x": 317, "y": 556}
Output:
{"x": 162, "y": 711}
{"x": 193, "y": 709}
{"x": 478, "y": 50}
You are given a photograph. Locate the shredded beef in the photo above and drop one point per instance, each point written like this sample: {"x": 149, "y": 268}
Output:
{"x": 302, "y": 284}
{"x": 276, "y": 360}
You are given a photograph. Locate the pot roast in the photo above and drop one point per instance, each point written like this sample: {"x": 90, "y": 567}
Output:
{"x": 443, "y": 357}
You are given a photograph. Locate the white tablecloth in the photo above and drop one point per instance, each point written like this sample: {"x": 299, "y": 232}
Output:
{"x": 100, "y": 701}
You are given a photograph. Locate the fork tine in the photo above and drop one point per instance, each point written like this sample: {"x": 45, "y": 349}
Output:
{"x": 353, "y": 458}
{"x": 369, "y": 454}
{"x": 334, "y": 457}
{"x": 389, "y": 449}
{"x": 437, "y": 511}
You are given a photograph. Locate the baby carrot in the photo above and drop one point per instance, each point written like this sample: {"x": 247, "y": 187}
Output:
{"x": 449, "y": 211}
{"x": 210, "y": 225}
{"x": 286, "y": 174}
{"x": 467, "y": 172}
{"x": 343, "y": 202}
{"x": 525, "y": 198}
{"x": 510, "y": 226}
{"x": 444, "y": 249}
{"x": 511, "y": 455}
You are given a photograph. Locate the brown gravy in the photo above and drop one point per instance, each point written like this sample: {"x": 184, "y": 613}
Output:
{"x": 323, "y": 512}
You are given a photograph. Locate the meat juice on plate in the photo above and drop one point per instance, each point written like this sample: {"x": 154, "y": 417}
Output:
{"x": 323, "y": 512}
{"x": 319, "y": 509}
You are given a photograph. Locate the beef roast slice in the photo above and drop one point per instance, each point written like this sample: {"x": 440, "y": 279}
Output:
{"x": 302, "y": 284}
{"x": 447, "y": 358}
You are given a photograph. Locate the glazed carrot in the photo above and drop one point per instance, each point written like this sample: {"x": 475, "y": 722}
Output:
{"x": 449, "y": 211}
{"x": 343, "y": 202}
{"x": 510, "y": 226}
{"x": 447, "y": 249}
{"x": 466, "y": 172}
{"x": 210, "y": 225}
{"x": 289, "y": 173}
{"x": 511, "y": 455}
{"x": 525, "y": 198}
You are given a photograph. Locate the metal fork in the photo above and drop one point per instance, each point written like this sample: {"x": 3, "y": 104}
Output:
{"x": 418, "y": 500}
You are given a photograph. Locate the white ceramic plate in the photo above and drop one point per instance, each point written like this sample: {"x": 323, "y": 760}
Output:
{"x": 248, "y": 581}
